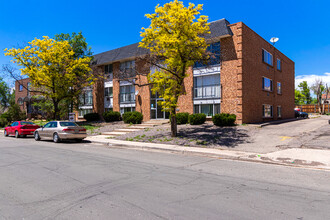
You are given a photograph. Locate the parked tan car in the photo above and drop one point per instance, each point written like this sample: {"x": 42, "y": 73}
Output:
{"x": 60, "y": 130}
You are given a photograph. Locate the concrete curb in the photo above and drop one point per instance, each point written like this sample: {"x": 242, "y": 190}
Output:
{"x": 215, "y": 153}
{"x": 278, "y": 122}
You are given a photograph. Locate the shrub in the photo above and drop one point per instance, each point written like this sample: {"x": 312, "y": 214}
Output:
{"x": 3, "y": 122}
{"x": 197, "y": 119}
{"x": 14, "y": 113}
{"x": 111, "y": 116}
{"x": 132, "y": 117}
{"x": 224, "y": 119}
{"x": 92, "y": 117}
{"x": 182, "y": 118}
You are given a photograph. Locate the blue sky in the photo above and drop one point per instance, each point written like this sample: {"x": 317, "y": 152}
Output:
{"x": 303, "y": 26}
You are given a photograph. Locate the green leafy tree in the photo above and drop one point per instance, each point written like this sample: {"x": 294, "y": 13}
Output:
{"x": 175, "y": 41}
{"x": 306, "y": 92}
{"x": 53, "y": 68}
{"x": 5, "y": 94}
{"x": 299, "y": 97}
{"x": 81, "y": 50}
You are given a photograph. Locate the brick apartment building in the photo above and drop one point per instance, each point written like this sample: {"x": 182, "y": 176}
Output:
{"x": 250, "y": 78}
{"x": 23, "y": 97}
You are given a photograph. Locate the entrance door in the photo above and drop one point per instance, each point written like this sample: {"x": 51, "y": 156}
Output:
{"x": 156, "y": 109}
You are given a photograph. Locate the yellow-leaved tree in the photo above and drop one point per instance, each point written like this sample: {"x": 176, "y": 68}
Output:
{"x": 53, "y": 69}
{"x": 175, "y": 41}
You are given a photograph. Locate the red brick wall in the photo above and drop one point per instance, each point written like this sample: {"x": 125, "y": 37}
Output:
{"x": 116, "y": 71}
{"x": 143, "y": 97}
{"x": 231, "y": 73}
{"x": 185, "y": 102}
{"x": 253, "y": 71}
{"x": 21, "y": 94}
{"x": 98, "y": 94}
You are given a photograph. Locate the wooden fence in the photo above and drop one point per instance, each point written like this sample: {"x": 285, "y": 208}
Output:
{"x": 313, "y": 108}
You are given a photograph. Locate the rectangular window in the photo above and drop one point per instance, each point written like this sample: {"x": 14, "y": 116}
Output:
{"x": 267, "y": 111}
{"x": 279, "y": 64}
{"x": 86, "y": 98}
{"x": 108, "y": 92}
{"x": 267, "y": 57}
{"x": 279, "y": 88}
{"x": 214, "y": 52}
{"x": 207, "y": 86}
{"x": 127, "y": 109}
{"x": 127, "y": 93}
{"x": 267, "y": 84}
{"x": 127, "y": 69}
{"x": 20, "y": 87}
{"x": 108, "y": 71}
{"x": 279, "y": 111}
{"x": 207, "y": 109}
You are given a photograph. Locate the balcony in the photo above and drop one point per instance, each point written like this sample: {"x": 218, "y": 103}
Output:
{"x": 207, "y": 92}
{"x": 127, "y": 97}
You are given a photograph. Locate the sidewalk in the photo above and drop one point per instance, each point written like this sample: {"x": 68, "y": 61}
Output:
{"x": 297, "y": 157}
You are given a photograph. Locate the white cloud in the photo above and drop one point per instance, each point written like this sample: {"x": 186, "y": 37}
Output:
{"x": 311, "y": 79}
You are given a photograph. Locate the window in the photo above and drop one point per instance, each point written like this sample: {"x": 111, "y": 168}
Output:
{"x": 128, "y": 68}
{"x": 83, "y": 112}
{"x": 279, "y": 111}
{"x": 108, "y": 92}
{"x": 207, "y": 86}
{"x": 108, "y": 71}
{"x": 86, "y": 98}
{"x": 267, "y": 111}
{"x": 267, "y": 57}
{"x": 207, "y": 109}
{"x": 279, "y": 64}
{"x": 20, "y": 101}
{"x": 67, "y": 124}
{"x": 267, "y": 84}
{"x": 127, "y": 109}
{"x": 127, "y": 93}
{"x": 279, "y": 88}
{"x": 20, "y": 87}
{"x": 214, "y": 50}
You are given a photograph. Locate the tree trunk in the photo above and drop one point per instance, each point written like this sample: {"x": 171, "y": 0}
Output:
{"x": 55, "y": 103}
{"x": 174, "y": 127}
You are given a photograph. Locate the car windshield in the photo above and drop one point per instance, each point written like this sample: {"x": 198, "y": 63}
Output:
{"x": 27, "y": 123}
{"x": 68, "y": 123}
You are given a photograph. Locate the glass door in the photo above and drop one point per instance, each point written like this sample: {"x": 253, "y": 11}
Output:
{"x": 156, "y": 109}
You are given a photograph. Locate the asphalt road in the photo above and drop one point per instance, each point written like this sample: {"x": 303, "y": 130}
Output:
{"x": 43, "y": 180}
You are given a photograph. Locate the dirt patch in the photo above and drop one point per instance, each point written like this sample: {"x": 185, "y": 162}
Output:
{"x": 96, "y": 128}
{"x": 206, "y": 135}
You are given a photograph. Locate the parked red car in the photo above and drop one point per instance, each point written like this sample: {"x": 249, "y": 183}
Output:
{"x": 20, "y": 128}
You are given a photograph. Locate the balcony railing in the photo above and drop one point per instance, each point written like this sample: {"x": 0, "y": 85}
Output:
{"x": 127, "y": 97}
{"x": 213, "y": 91}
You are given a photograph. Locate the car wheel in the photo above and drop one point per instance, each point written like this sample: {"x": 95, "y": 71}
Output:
{"x": 17, "y": 134}
{"x": 36, "y": 136}
{"x": 5, "y": 133}
{"x": 56, "y": 138}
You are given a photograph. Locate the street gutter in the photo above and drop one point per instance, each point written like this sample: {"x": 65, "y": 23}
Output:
{"x": 282, "y": 157}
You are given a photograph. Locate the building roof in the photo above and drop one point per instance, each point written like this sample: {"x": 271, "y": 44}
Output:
{"x": 218, "y": 28}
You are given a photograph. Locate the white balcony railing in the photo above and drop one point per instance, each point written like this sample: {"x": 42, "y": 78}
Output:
{"x": 213, "y": 91}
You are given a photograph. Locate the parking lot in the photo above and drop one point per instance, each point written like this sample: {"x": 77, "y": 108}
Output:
{"x": 306, "y": 133}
